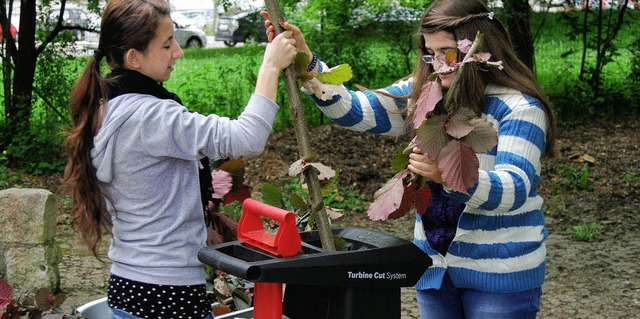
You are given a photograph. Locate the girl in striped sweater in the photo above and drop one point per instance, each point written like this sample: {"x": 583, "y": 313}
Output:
{"x": 487, "y": 246}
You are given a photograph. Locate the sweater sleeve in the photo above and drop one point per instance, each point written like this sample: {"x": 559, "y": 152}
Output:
{"x": 169, "y": 129}
{"x": 364, "y": 111}
{"x": 509, "y": 174}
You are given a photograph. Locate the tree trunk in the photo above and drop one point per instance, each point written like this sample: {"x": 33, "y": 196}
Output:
{"x": 518, "y": 13}
{"x": 20, "y": 110}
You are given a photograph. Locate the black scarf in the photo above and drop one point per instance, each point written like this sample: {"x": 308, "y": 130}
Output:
{"x": 123, "y": 81}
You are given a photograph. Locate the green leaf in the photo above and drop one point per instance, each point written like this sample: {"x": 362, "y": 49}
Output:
{"x": 271, "y": 195}
{"x": 298, "y": 203}
{"x": 431, "y": 136}
{"x": 301, "y": 62}
{"x": 332, "y": 183}
{"x": 400, "y": 160}
{"x": 336, "y": 75}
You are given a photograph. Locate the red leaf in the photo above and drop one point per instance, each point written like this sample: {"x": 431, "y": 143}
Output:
{"x": 431, "y": 137}
{"x": 222, "y": 182}
{"x": 406, "y": 204}
{"x": 233, "y": 166}
{"x": 6, "y": 294}
{"x": 44, "y": 298}
{"x": 220, "y": 309}
{"x": 459, "y": 166}
{"x": 388, "y": 198}
{"x": 413, "y": 198}
{"x": 422, "y": 198}
{"x": 238, "y": 195}
{"x": 221, "y": 229}
{"x": 430, "y": 95}
{"x": 332, "y": 213}
{"x": 458, "y": 124}
{"x": 324, "y": 172}
{"x": 450, "y": 57}
{"x": 464, "y": 45}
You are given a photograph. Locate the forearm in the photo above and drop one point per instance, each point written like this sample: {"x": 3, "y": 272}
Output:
{"x": 267, "y": 83}
{"x": 368, "y": 110}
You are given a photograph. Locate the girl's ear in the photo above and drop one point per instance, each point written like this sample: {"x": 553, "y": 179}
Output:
{"x": 132, "y": 59}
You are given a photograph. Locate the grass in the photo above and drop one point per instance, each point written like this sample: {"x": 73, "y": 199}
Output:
{"x": 586, "y": 232}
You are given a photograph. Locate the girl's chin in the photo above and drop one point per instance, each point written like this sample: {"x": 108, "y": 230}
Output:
{"x": 446, "y": 83}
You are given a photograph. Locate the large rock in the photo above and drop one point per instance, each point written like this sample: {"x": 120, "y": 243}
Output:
{"x": 29, "y": 254}
{"x": 30, "y": 268}
{"x": 27, "y": 216}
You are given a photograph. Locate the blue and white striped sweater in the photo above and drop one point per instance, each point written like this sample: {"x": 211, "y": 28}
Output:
{"x": 499, "y": 242}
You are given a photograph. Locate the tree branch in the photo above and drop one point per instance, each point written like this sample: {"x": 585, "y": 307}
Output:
{"x": 302, "y": 137}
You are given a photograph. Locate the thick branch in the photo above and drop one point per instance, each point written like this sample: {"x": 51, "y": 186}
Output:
{"x": 302, "y": 137}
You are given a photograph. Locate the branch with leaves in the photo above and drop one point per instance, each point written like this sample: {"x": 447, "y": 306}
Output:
{"x": 452, "y": 139}
{"x": 292, "y": 81}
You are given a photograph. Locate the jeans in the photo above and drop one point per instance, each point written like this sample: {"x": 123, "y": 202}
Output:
{"x": 121, "y": 314}
{"x": 450, "y": 302}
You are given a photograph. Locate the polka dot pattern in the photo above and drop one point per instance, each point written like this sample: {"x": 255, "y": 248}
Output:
{"x": 158, "y": 301}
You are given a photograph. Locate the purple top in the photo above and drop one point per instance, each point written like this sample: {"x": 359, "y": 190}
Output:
{"x": 441, "y": 219}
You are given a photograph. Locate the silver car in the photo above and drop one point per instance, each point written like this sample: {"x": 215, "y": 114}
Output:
{"x": 187, "y": 35}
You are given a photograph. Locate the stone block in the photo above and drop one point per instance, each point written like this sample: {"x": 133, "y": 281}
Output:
{"x": 27, "y": 216}
{"x": 30, "y": 268}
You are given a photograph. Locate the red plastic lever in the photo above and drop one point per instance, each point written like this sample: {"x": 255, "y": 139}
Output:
{"x": 285, "y": 242}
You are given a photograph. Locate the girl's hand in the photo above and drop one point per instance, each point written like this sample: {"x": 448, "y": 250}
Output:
{"x": 281, "y": 52}
{"x": 301, "y": 44}
{"x": 424, "y": 166}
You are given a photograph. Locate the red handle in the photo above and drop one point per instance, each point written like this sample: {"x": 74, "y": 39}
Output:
{"x": 285, "y": 242}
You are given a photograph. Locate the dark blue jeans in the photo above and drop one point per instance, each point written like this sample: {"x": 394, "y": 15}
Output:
{"x": 450, "y": 302}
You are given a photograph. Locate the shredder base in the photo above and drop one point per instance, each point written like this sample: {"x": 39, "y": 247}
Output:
{"x": 320, "y": 302}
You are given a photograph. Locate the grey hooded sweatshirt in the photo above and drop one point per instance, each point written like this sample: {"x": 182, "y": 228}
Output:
{"x": 146, "y": 155}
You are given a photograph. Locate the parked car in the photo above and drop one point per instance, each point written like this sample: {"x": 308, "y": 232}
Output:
{"x": 243, "y": 26}
{"x": 188, "y": 36}
{"x": 201, "y": 18}
{"x": 73, "y": 16}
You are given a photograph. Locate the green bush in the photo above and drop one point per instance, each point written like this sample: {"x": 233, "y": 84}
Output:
{"x": 558, "y": 63}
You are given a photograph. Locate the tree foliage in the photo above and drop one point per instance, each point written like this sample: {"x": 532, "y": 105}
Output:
{"x": 41, "y": 41}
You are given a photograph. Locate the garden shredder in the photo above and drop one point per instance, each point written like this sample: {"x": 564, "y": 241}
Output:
{"x": 362, "y": 281}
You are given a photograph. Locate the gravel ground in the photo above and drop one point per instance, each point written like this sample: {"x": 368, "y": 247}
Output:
{"x": 591, "y": 280}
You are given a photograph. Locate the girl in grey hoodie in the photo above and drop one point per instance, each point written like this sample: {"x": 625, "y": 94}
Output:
{"x": 133, "y": 160}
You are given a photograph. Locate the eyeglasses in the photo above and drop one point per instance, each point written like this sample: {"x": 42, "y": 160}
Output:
{"x": 430, "y": 58}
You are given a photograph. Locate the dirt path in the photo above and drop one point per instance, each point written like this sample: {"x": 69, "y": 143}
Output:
{"x": 590, "y": 280}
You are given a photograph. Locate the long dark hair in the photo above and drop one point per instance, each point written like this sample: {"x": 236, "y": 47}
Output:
{"x": 464, "y": 19}
{"x": 126, "y": 24}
